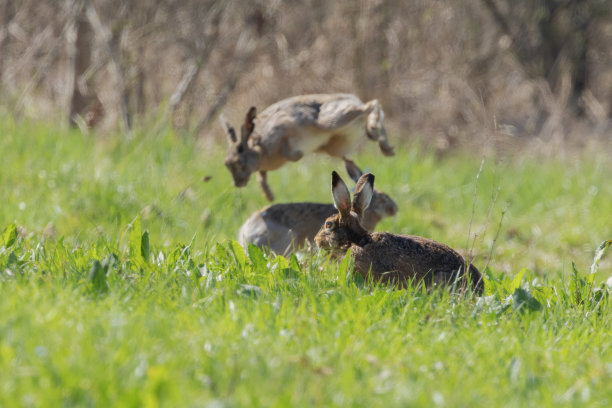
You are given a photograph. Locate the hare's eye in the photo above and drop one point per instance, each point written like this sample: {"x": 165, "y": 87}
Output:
{"x": 329, "y": 225}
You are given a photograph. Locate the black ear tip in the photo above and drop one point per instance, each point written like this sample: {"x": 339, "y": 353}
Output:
{"x": 252, "y": 113}
{"x": 335, "y": 178}
{"x": 367, "y": 178}
{"x": 371, "y": 179}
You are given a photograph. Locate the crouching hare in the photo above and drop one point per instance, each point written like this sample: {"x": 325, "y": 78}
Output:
{"x": 294, "y": 127}
{"x": 389, "y": 257}
{"x": 289, "y": 226}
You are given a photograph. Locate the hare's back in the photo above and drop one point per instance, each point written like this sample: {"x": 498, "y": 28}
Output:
{"x": 324, "y": 112}
{"x": 297, "y": 215}
{"x": 301, "y": 220}
{"x": 407, "y": 254}
{"x": 311, "y": 99}
{"x": 333, "y": 124}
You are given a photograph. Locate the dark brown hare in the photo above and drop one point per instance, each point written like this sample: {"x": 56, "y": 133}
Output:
{"x": 389, "y": 257}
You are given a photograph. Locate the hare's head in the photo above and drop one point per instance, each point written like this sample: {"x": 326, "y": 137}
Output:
{"x": 381, "y": 205}
{"x": 343, "y": 229}
{"x": 242, "y": 160}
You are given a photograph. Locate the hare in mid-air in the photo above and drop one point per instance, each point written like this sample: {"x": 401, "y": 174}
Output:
{"x": 289, "y": 226}
{"x": 389, "y": 257}
{"x": 294, "y": 127}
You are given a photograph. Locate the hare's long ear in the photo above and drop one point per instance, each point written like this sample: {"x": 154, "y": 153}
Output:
{"x": 231, "y": 133}
{"x": 249, "y": 125}
{"x": 363, "y": 193}
{"x": 342, "y": 198}
{"x": 351, "y": 168}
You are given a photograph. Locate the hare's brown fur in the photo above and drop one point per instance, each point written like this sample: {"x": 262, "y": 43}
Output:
{"x": 289, "y": 226}
{"x": 294, "y": 127}
{"x": 389, "y": 257}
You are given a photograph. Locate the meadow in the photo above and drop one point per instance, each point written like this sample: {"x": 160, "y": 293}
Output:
{"x": 121, "y": 285}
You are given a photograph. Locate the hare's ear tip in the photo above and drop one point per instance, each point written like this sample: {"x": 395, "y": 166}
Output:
{"x": 336, "y": 179}
{"x": 251, "y": 114}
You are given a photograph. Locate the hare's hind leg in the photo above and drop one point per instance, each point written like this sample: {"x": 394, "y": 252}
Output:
{"x": 375, "y": 128}
{"x": 262, "y": 179}
{"x": 459, "y": 281}
{"x": 439, "y": 278}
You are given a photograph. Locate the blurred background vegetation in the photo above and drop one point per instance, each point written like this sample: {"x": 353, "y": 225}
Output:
{"x": 490, "y": 73}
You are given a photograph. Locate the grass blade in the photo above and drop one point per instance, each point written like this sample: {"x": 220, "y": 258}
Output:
{"x": 599, "y": 254}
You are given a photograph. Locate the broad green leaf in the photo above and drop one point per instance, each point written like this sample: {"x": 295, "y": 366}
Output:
{"x": 490, "y": 287}
{"x": 517, "y": 280}
{"x": 145, "y": 247}
{"x": 492, "y": 284}
{"x": 238, "y": 251}
{"x": 257, "y": 257}
{"x": 10, "y": 235}
{"x": 12, "y": 260}
{"x": 281, "y": 262}
{"x": 175, "y": 255}
{"x": 222, "y": 254}
{"x": 545, "y": 295}
{"x": 135, "y": 238}
{"x": 97, "y": 277}
{"x": 524, "y": 301}
{"x": 294, "y": 264}
{"x": 590, "y": 279}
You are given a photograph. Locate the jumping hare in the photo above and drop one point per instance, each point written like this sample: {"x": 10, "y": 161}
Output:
{"x": 286, "y": 227}
{"x": 388, "y": 257}
{"x": 294, "y": 127}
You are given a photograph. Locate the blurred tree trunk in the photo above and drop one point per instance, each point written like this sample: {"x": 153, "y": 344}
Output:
{"x": 80, "y": 61}
{"x": 8, "y": 11}
{"x": 139, "y": 91}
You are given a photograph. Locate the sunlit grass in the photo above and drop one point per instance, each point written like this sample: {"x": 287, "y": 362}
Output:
{"x": 119, "y": 285}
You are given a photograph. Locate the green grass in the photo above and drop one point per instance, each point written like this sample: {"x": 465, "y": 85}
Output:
{"x": 119, "y": 285}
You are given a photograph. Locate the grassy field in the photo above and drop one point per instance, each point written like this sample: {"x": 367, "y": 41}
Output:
{"x": 120, "y": 284}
